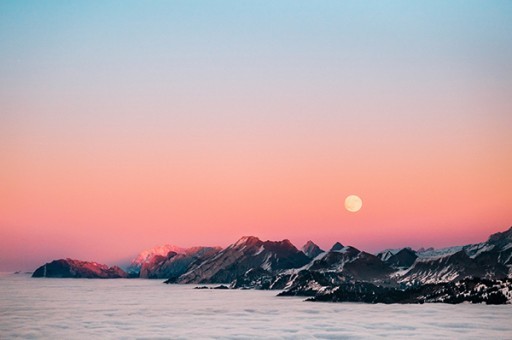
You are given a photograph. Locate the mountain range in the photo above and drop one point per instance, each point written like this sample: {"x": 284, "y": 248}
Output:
{"x": 311, "y": 271}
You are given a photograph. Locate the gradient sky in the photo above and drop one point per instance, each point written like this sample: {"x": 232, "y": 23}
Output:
{"x": 128, "y": 124}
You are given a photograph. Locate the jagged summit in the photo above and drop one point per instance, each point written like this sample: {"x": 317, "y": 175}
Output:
{"x": 311, "y": 249}
{"x": 167, "y": 260}
{"x": 147, "y": 255}
{"x": 246, "y": 256}
{"x": 337, "y": 247}
{"x": 404, "y": 258}
{"x": 247, "y": 240}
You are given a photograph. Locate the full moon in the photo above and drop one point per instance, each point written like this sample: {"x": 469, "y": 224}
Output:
{"x": 353, "y": 203}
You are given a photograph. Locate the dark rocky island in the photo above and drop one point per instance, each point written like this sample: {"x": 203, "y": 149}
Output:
{"x": 69, "y": 268}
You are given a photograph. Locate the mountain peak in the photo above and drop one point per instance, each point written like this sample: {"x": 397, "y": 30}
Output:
{"x": 147, "y": 255}
{"x": 404, "y": 258}
{"x": 247, "y": 240}
{"x": 241, "y": 260}
{"x": 337, "y": 246}
{"x": 309, "y": 244}
{"x": 280, "y": 246}
{"x": 311, "y": 249}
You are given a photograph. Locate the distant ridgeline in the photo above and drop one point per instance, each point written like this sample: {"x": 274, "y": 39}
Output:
{"x": 477, "y": 273}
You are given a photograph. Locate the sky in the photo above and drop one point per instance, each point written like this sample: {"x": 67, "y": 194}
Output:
{"x": 129, "y": 124}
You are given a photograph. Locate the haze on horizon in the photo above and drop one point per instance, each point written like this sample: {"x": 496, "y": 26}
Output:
{"x": 125, "y": 125}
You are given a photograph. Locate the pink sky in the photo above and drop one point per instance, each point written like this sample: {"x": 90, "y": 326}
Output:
{"x": 197, "y": 128}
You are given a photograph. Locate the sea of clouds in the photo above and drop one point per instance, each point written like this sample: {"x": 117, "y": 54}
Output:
{"x": 137, "y": 308}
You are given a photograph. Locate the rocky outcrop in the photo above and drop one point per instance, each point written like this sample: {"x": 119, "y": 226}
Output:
{"x": 69, "y": 268}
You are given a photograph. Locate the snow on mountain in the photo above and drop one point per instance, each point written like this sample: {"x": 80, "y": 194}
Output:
{"x": 352, "y": 264}
{"x": 432, "y": 253}
{"x": 402, "y": 259}
{"x": 250, "y": 262}
{"x": 337, "y": 246}
{"x": 387, "y": 253}
{"x": 242, "y": 258}
{"x": 499, "y": 242}
{"x": 489, "y": 259}
{"x": 398, "y": 258}
{"x": 453, "y": 267}
{"x": 398, "y": 267}
{"x": 469, "y": 290}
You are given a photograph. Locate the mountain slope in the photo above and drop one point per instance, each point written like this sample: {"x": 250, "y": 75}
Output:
{"x": 491, "y": 259}
{"x": 248, "y": 253}
{"x": 353, "y": 264}
{"x": 337, "y": 246}
{"x": 404, "y": 258}
{"x": 452, "y": 268}
{"x": 311, "y": 249}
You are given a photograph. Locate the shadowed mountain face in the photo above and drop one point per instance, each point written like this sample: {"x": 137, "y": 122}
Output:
{"x": 78, "y": 269}
{"x": 337, "y": 246}
{"x": 248, "y": 253}
{"x": 404, "y": 258}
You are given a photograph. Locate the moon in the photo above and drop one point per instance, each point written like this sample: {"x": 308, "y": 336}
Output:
{"x": 353, "y": 203}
